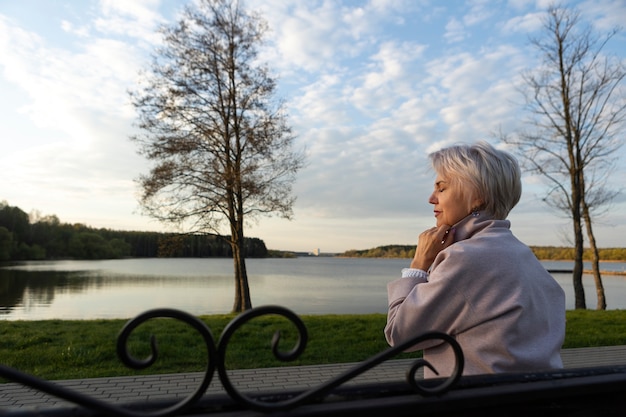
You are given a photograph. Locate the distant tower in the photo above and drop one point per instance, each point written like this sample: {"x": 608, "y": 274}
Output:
{"x": 316, "y": 252}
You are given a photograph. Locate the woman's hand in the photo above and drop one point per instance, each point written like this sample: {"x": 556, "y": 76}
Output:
{"x": 429, "y": 244}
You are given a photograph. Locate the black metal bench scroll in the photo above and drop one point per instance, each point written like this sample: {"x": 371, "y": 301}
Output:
{"x": 216, "y": 359}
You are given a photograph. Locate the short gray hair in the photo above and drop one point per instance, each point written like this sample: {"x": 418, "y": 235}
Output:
{"x": 494, "y": 175}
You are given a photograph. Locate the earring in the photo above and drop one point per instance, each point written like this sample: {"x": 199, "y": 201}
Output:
{"x": 475, "y": 212}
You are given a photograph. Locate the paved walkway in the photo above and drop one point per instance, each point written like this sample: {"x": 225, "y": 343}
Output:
{"x": 15, "y": 397}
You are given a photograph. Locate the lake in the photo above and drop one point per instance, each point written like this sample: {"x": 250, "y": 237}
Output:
{"x": 306, "y": 285}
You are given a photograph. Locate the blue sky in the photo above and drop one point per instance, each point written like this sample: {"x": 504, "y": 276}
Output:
{"x": 371, "y": 88}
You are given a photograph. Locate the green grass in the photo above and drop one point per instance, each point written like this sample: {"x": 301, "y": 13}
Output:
{"x": 57, "y": 349}
{"x": 595, "y": 328}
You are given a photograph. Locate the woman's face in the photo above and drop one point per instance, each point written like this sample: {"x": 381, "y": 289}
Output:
{"x": 451, "y": 205}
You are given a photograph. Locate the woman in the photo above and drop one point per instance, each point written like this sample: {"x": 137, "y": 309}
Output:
{"x": 472, "y": 279}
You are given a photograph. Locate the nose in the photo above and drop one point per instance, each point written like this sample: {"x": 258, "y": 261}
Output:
{"x": 432, "y": 199}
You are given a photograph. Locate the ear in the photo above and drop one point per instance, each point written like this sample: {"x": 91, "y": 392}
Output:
{"x": 477, "y": 204}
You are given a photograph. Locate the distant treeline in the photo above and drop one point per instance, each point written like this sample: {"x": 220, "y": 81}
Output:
{"x": 23, "y": 238}
{"x": 388, "y": 251}
{"x": 545, "y": 253}
{"x": 559, "y": 253}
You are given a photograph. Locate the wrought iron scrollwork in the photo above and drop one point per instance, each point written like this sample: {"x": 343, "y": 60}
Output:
{"x": 131, "y": 362}
{"x": 327, "y": 387}
{"x": 216, "y": 359}
{"x": 122, "y": 351}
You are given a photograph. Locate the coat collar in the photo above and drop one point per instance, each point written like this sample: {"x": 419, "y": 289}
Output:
{"x": 474, "y": 223}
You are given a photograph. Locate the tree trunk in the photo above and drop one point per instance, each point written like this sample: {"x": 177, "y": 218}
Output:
{"x": 576, "y": 177}
{"x": 577, "y": 275}
{"x": 595, "y": 260}
{"x": 242, "y": 289}
{"x": 576, "y": 203}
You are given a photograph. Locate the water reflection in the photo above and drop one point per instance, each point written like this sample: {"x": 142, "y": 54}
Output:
{"x": 38, "y": 288}
{"x": 69, "y": 290}
{"x": 125, "y": 288}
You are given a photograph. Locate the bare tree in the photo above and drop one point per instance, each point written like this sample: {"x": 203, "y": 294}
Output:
{"x": 577, "y": 108}
{"x": 597, "y": 200}
{"x": 220, "y": 143}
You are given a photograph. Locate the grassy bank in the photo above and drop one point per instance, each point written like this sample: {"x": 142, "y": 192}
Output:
{"x": 57, "y": 349}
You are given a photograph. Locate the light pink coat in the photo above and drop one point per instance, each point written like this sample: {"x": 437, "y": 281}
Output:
{"x": 491, "y": 294}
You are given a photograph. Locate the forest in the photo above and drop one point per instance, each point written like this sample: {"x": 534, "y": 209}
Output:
{"x": 551, "y": 253}
{"x": 34, "y": 237}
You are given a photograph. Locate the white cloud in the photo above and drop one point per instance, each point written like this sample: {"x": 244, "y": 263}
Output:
{"x": 475, "y": 92}
{"x": 323, "y": 35}
{"x": 63, "y": 83}
{"x": 306, "y": 37}
{"x": 528, "y": 23}
{"x": 320, "y": 103}
{"x": 389, "y": 79}
{"x": 519, "y": 5}
{"x": 455, "y": 31}
{"x": 480, "y": 10}
{"x": 605, "y": 14}
{"x": 80, "y": 31}
{"x": 136, "y": 19}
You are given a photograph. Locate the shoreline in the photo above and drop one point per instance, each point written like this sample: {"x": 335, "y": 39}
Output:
{"x": 590, "y": 272}
{"x": 585, "y": 271}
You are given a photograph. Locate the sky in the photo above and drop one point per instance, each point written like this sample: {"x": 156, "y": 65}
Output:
{"x": 371, "y": 87}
